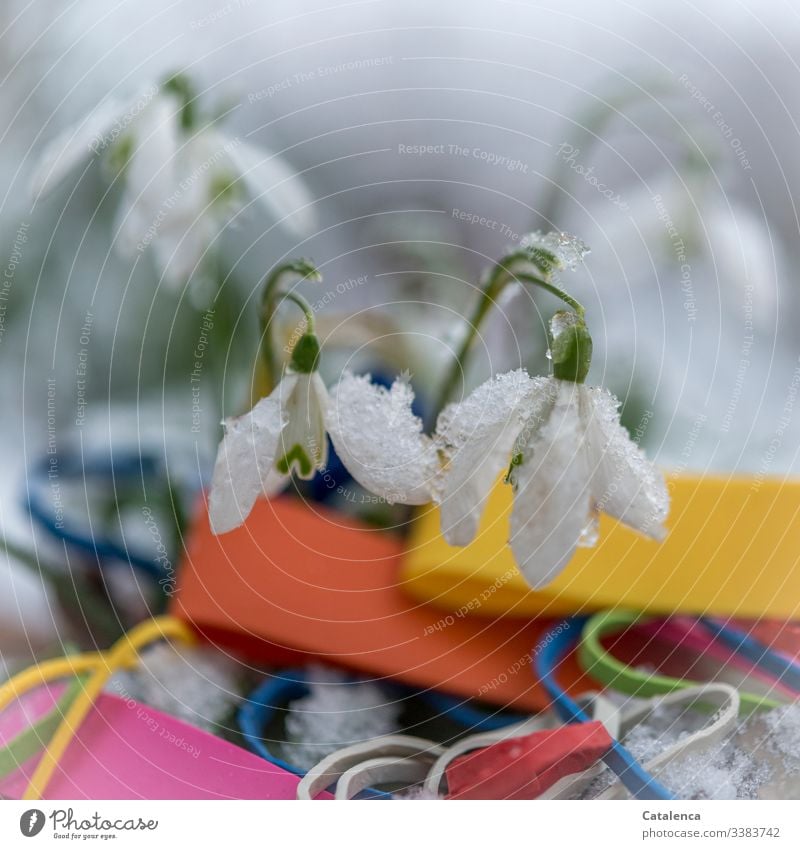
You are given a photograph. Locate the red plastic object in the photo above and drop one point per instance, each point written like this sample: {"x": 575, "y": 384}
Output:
{"x": 779, "y": 636}
{"x": 524, "y": 767}
{"x": 298, "y": 582}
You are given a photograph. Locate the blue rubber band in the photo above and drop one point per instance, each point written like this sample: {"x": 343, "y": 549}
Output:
{"x": 102, "y": 549}
{"x": 467, "y": 714}
{"x": 274, "y": 693}
{"x": 561, "y": 640}
{"x": 779, "y": 667}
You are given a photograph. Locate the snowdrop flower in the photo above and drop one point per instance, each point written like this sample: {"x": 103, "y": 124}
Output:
{"x": 183, "y": 178}
{"x": 283, "y": 433}
{"x": 568, "y": 456}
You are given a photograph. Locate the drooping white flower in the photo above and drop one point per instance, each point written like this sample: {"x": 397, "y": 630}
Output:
{"x": 380, "y": 440}
{"x": 283, "y": 433}
{"x": 183, "y": 178}
{"x": 475, "y": 438}
{"x": 569, "y": 458}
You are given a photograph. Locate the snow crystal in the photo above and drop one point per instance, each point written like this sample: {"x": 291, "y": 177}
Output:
{"x": 568, "y": 250}
{"x": 783, "y": 734}
{"x": 380, "y": 440}
{"x": 492, "y": 404}
{"x": 336, "y": 713}
{"x": 562, "y": 321}
{"x": 196, "y": 685}
{"x": 626, "y": 484}
{"x": 416, "y": 793}
{"x": 759, "y": 759}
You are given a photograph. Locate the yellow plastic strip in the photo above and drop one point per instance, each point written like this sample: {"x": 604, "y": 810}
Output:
{"x": 102, "y": 666}
{"x": 48, "y": 670}
{"x": 731, "y": 550}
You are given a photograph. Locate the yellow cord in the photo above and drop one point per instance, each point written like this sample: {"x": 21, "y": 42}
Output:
{"x": 48, "y": 670}
{"x": 102, "y": 666}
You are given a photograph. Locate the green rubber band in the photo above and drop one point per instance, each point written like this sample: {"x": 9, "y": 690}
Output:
{"x": 33, "y": 739}
{"x": 612, "y": 673}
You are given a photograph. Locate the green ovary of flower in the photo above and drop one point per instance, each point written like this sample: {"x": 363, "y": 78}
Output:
{"x": 297, "y": 454}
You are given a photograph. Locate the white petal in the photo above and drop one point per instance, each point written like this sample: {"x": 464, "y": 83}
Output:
{"x": 152, "y": 184}
{"x": 551, "y": 500}
{"x": 323, "y": 402}
{"x": 625, "y": 484}
{"x": 303, "y": 446}
{"x": 273, "y": 183}
{"x": 245, "y": 464}
{"x": 77, "y": 143}
{"x": 380, "y": 440}
{"x": 475, "y": 438}
{"x": 180, "y": 222}
{"x": 180, "y": 246}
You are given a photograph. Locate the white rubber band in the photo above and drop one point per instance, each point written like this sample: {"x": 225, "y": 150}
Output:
{"x": 723, "y": 696}
{"x": 329, "y": 770}
{"x": 407, "y": 759}
{"x": 371, "y": 773}
{"x": 723, "y": 723}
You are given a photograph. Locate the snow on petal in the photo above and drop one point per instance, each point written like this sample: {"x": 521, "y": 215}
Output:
{"x": 625, "y": 484}
{"x": 380, "y": 440}
{"x": 244, "y": 466}
{"x": 552, "y": 499}
{"x": 274, "y": 184}
{"x": 475, "y": 438}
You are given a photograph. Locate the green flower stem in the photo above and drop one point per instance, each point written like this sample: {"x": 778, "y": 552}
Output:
{"x": 304, "y": 305}
{"x": 181, "y": 86}
{"x": 553, "y": 290}
{"x": 501, "y": 275}
{"x": 270, "y": 298}
{"x": 305, "y": 353}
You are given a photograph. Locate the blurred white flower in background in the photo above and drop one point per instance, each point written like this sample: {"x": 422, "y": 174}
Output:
{"x": 184, "y": 179}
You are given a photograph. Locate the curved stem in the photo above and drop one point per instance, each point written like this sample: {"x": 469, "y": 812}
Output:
{"x": 554, "y": 290}
{"x": 502, "y": 274}
{"x": 302, "y": 268}
{"x": 304, "y": 305}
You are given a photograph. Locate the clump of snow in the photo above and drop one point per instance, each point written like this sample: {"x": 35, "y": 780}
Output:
{"x": 380, "y": 440}
{"x": 336, "y": 713}
{"x": 567, "y": 250}
{"x": 197, "y": 685}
